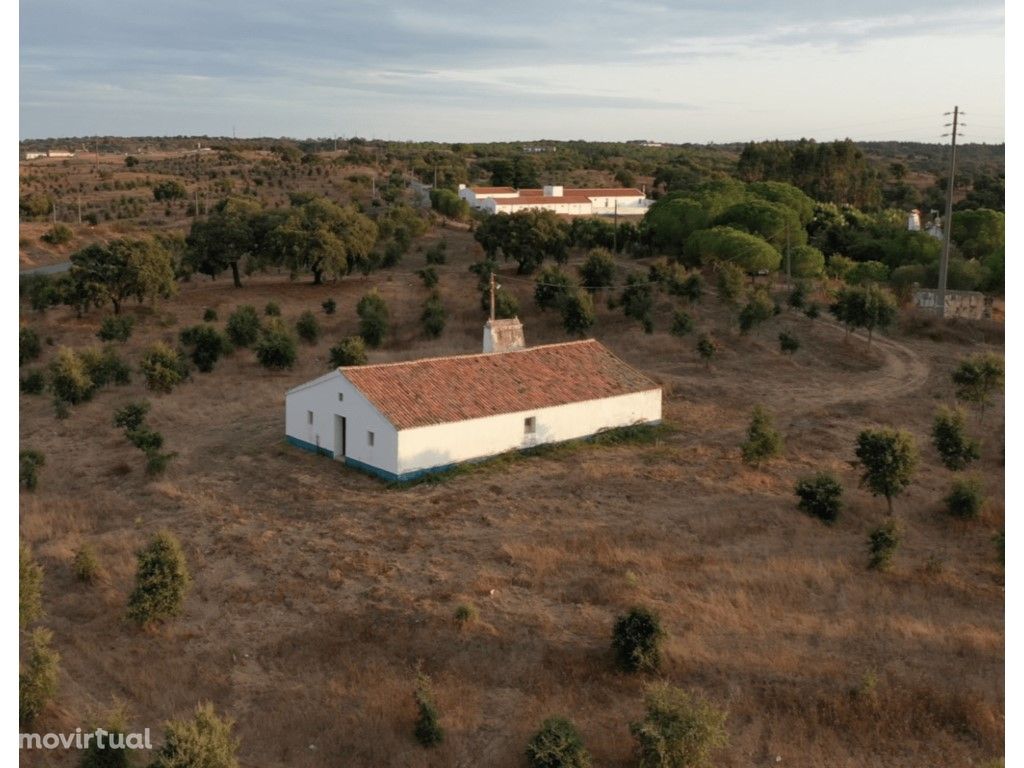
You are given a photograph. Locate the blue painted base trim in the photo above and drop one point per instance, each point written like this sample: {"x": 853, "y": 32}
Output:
{"x": 309, "y": 447}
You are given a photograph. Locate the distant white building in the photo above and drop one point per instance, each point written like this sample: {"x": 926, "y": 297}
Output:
{"x": 402, "y": 420}
{"x": 569, "y": 201}
{"x": 914, "y": 221}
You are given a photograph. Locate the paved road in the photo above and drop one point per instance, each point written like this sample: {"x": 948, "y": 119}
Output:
{"x": 49, "y": 269}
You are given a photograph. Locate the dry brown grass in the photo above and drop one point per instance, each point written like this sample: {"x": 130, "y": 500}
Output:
{"x": 317, "y": 590}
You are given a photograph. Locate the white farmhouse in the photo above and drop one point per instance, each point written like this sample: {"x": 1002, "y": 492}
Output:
{"x": 403, "y": 420}
{"x": 569, "y": 201}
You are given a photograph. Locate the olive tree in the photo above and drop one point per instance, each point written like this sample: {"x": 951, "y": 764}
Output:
{"x": 888, "y": 458}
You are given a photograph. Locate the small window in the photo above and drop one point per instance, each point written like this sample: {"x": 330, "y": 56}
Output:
{"x": 341, "y": 396}
{"x": 369, "y": 439}
{"x": 309, "y": 417}
{"x": 530, "y": 425}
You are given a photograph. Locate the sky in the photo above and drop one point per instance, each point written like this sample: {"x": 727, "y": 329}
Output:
{"x": 692, "y": 71}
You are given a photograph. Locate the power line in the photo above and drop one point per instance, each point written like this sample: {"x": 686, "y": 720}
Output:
{"x": 948, "y": 222}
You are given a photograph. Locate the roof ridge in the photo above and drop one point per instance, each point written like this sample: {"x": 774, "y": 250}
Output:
{"x": 474, "y": 354}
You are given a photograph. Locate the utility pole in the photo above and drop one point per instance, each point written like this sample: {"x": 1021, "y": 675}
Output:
{"x": 947, "y": 223}
{"x": 789, "y": 270}
{"x": 492, "y": 296}
{"x": 78, "y": 199}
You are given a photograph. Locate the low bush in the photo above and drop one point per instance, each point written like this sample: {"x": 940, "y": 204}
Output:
{"x": 29, "y": 463}
{"x": 85, "y": 566}
{"x": 29, "y": 347}
{"x": 429, "y": 277}
{"x": 210, "y": 315}
{"x": 788, "y": 343}
{"x": 272, "y": 309}
{"x": 949, "y": 435}
{"x": 116, "y": 328}
{"x": 433, "y": 316}
{"x": 965, "y": 498}
{"x": 70, "y": 381}
{"x": 33, "y": 383}
{"x": 164, "y": 368}
{"x": 30, "y": 587}
{"x": 821, "y": 496}
{"x": 557, "y": 745}
{"x": 131, "y": 416}
{"x": 636, "y": 640}
{"x": 105, "y": 366}
{"x": 37, "y": 682}
{"x": 707, "y": 347}
{"x": 329, "y": 306}
{"x": 202, "y": 741}
{"x": 157, "y": 462}
{"x": 161, "y": 581}
{"x": 437, "y": 253}
{"x": 145, "y": 439}
{"x": 763, "y": 440}
{"x": 207, "y": 345}
{"x": 308, "y": 327}
{"x": 428, "y": 730}
{"x": 679, "y": 730}
{"x": 682, "y": 323}
{"x": 883, "y": 542}
{"x": 350, "y": 351}
{"x": 58, "y": 234}
{"x": 465, "y": 614}
{"x": 373, "y": 318}
{"x": 243, "y": 326}
{"x": 276, "y": 348}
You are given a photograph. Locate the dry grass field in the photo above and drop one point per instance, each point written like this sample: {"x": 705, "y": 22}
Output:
{"x": 317, "y": 590}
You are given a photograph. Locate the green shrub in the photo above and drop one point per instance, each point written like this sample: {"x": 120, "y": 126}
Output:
{"x": 69, "y": 379}
{"x": 812, "y": 312}
{"x": 889, "y": 458}
{"x": 85, "y": 566}
{"x": 37, "y": 682}
{"x": 330, "y": 306}
{"x": 680, "y": 730}
{"x": 30, "y": 461}
{"x": 203, "y": 741}
{"x": 820, "y": 496}
{"x": 732, "y": 282}
{"x": 428, "y": 730}
{"x": 788, "y": 343}
{"x": 272, "y": 309}
{"x": 131, "y": 416}
{"x": 373, "y": 318}
{"x": 156, "y": 462}
{"x": 763, "y": 440}
{"x": 465, "y": 614}
{"x": 882, "y": 545}
{"x": 797, "y": 298}
{"x": 58, "y": 234}
{"x": 276, "y": 348}
{"x": 577, "y": 310}
{"x": 757, "y": 310}
{"x": 145, "y": 439}
{"x": 437, "y": 253}
{"x": 30, "y": 587}
{"x": 105, "y": 366}
{"x": 557, "y": 745}
{"x": 682, "y": 323}
{"x": 163, "y": 367}
{"x": 350, "y": 351}
{"x": 29, "y": 347}
{"x": 61, "y": 408}
{"x": 965, "y": 498}
{"x": 977, "y": 378}
{"x": 116, "y": 328}
{"x": 243, "y": 326}
{"x": 114, "y": 725}
{"x": 161, "y": 581}
{"x": 956, "y": 449}
{"x": 207, "y": 345}
{"x": 210, "y": 315}
{"x": 433, "y": 316}
{"x": 707, "y": 347}
{"x": 308, "y": 327}
{"x": 429, "y": 277}
{"x": 34, "y": 383}
{"x": 636, "y": 640}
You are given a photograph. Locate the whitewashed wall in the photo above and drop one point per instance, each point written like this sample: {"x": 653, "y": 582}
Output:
{"x": 571, "y": 209}
{"x": 321, "y": 397}
{"x": 442, "y": 444}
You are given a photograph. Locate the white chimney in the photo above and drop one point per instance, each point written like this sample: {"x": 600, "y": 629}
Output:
{"x": 503, "y": 335}
{"x": 556, "y": 190}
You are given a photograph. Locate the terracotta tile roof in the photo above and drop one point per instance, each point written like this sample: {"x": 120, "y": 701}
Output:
{"x": 491, "y": 190}
{"x": 599, "y": 192}
{"x": 445, "y": 389}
